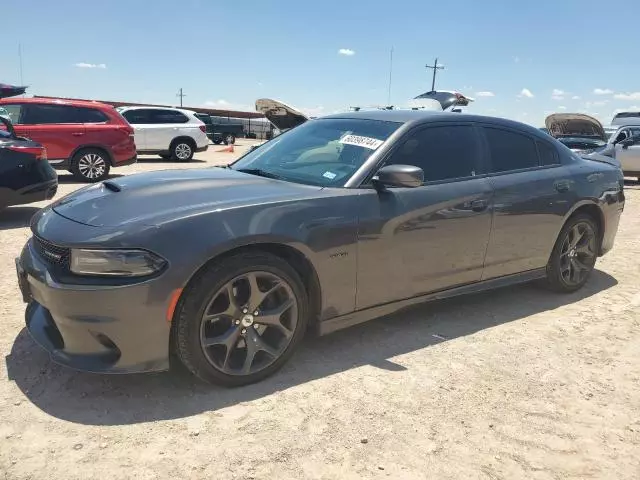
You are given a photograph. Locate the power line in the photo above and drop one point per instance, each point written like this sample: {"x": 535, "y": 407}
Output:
{"x": 435, "y": 67}
{"x": 181, "y": 95}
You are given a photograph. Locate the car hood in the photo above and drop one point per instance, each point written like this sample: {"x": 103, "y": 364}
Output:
{"x": 281, "y": 115}
{"x": 575, "y": 125}
{"x": 157, "y": 197}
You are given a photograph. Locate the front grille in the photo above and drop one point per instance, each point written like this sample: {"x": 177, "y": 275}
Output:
{"x": 51, "y": 253}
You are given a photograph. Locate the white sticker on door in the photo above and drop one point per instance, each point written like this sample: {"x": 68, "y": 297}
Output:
{"x": 366, "y": 142}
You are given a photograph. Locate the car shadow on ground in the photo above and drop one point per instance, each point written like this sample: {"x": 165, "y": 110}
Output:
{"x": 16, "y": 217}
{"x": 154, "y": 160}
{"x": 69, "y": 179}
{"x": 127, "y": 399}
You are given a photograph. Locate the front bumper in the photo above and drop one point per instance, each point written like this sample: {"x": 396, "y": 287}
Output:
{"x": 95, "y": 328}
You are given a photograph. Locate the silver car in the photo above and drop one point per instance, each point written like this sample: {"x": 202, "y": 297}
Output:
{"x": 624, "y": 146}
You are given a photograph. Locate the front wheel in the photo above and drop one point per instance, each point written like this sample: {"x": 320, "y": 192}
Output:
{"x": 229, "y": 139}
{"x": 90, "y": 165}
{"x": 574, "y": 254}
{"x": 241, "y": 320}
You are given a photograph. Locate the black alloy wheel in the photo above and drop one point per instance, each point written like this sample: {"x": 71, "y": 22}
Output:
{"x": 574, "y": 255}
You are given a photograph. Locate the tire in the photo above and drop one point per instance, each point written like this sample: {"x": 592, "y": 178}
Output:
{"x": 577, "y": 245}
{"x": 217, "y": 141}
{"x": 229, "y": 139}
{"x": 182, "y": 150}
{"x": 90, "y": 165}
{"x": 225, "y": 361}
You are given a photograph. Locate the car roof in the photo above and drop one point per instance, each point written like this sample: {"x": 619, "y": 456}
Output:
{"x": 418, "y": 117}
{"x": 55, "y": 101}
{"x": 153, "y": 107}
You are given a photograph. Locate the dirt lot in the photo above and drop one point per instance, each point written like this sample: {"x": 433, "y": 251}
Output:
{"x": 516, "y": 383}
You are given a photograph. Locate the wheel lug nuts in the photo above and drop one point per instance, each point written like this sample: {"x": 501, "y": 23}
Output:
{"x": 244, "y": 310}
{"x": 255, "y": 325}
{"x": 237, "y": 322}
{"x": 243, "y": 331}
{"x": 256, "y": 313}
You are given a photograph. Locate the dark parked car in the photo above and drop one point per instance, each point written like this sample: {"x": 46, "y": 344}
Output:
{"x": 221, "y": 130}
{"x": 343, "y": 219}
{"x": 25, "y": 173}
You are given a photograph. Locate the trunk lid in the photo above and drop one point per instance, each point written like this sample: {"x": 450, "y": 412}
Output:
{"x": 281, "y": 115}
{"x": 574, "y": 125}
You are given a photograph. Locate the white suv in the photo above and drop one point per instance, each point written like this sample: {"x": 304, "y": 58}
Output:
{"x": 169, "y": 132}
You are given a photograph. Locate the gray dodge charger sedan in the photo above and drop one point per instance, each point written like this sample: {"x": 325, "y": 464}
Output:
{"x": 335, "y": 222}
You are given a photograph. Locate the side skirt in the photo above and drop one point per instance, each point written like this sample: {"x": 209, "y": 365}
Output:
{"x": 361, "y": 316}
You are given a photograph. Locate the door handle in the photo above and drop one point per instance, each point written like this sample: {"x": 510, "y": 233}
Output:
{"x": 478, "y": 205}
{"x": 562, "y": 186}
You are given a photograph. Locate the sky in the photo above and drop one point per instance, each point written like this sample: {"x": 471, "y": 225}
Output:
{"x": 519, "y": 60}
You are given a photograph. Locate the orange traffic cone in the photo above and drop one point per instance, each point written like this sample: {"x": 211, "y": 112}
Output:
{"x": 227, "y": 149}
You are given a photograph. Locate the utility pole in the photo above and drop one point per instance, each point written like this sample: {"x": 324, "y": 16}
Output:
{"x": 20, "y": 60}
{"x": 181, "y": 95}
{"x": 435, "y": 67}
{"x": 390, "y": 72}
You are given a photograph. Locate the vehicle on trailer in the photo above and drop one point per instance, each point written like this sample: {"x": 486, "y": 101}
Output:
{"x": 84, "y": 137}
{"x": 337, "y": 221}
{"x": 221, "y": 129}
{"x": 25, "y": 173}
{"x": 171, "y": 133}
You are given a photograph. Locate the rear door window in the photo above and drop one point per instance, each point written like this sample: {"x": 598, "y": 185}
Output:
{"x": 510, "y": 150}
{"x": 168, "y": 116}
{"x": 548, "y": 154}
{"x": 89, "y": 115}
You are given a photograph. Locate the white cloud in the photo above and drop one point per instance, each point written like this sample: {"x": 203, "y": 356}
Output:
{"x": 602, "y": 91}
{"x": 627, "y": 96}
{"x": 90, "y": 65}
{"x": 222, "y": 104}
{"x": 575, "y": 97}
{"x": 485, "y": 94}
{"x": 562, "y": 107}
{"x": 557, "y": 94}
{"x": 346, "y": 51}
{"x": 525, "y": 92}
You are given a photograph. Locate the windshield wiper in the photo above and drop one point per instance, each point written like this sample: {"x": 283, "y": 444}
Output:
{"x": 261, "y": 173}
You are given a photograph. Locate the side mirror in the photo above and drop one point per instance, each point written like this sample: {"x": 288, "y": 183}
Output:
{"x": 406, "y": 176}
{"x": 627, "y": 142}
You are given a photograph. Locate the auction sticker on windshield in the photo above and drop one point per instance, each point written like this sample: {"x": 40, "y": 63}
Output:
{"x": 366, "y": 142}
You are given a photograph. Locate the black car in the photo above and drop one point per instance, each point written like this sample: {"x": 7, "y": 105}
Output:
{"x": 25, "y": 173}
{"x": 340, "y": 220}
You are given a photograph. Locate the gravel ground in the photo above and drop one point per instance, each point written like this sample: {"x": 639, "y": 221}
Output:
{"x": 515, "y": 383}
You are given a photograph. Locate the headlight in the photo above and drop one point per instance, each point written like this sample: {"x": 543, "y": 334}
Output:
{"x": 116, "y": 263}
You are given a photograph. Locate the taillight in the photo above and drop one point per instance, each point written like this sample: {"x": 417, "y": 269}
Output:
{"x": 39, "y": 152}
{"x": 203, "y": 128}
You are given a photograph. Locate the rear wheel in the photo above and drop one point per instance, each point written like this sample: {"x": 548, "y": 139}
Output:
{"x": 90, "y": 165}
{"x": 574, "y": 254}
{"x": 229, "y": 139}
{"x": 241, "y": 320}
{"x": 217, "y": 141}
{"x": 182, "y": 150}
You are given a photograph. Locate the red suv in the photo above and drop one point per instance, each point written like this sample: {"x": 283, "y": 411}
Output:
{"x": 85, "y": 138}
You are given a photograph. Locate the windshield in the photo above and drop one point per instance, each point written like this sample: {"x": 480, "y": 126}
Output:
{"x": 323, "y": 152}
